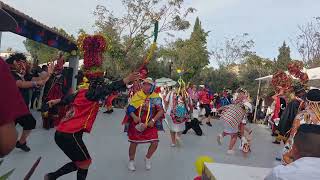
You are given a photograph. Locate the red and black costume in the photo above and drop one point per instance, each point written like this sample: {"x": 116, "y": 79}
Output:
{"x": 55, "y": 88}
{"x": 83, "y": 107}
{"x": 82, "y": 110}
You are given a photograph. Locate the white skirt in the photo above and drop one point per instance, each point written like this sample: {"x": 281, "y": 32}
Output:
{"x": 172, "y": 126}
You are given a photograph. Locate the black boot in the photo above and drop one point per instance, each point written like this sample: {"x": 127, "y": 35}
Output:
{"x": 82, "y": 174}
{"x": 66, "y": 169}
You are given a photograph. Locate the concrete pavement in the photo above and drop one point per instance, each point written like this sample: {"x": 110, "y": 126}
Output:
{"x": 108, "y": 147}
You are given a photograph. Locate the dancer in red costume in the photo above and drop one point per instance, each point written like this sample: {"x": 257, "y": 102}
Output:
{"x": 279, "y": 106}
{"x": 109, "y": 101}
{"x": 144, "y": 114}
{"x": 83, "y": 107}
{"x": 56, "y": 88}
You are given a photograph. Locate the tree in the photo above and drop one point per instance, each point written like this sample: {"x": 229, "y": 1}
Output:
{"x": 42, "y": 53}
{"x": 233, "y": 50}
{"x": 308, "y": 43}
{"x": 190, "y": 55}
{"x": 136, "y": 23}
{"x": 128, "y": 35}
{"x": 254, "y": 67}
{"x": 283, "y": 57}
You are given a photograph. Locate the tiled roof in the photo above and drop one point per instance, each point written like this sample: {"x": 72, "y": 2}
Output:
{"x": 29, "y": 28}
{"x": 19, "y": 13}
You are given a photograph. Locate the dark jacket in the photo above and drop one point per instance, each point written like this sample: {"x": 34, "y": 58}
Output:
{"x": 288, "y": 116}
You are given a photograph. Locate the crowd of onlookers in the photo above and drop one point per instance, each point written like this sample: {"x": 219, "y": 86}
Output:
{"x": 29, "y": 80}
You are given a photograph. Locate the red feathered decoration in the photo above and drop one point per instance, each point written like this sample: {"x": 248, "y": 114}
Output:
{"x": 93, "y": 48}
{"x": 198, "y": 178}
{"x": 59, "y": 66}
{"x": 295, "y": 67}
{"x": 281, "y": 80}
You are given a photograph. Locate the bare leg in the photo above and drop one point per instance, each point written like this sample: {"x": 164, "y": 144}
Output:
{"x": 179, "y": 134}
{"x": 233, "y": 141}
{"x": 132, "y": 151}
{"x": 24, "y": 136}
{"x": 152, "y": 148}
{"x": 173, "y": 137}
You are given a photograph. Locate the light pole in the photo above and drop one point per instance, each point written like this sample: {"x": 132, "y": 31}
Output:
{"x": 170, "y": 67}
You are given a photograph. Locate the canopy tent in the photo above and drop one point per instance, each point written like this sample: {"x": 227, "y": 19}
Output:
{"x": 314, "y": 81}
{"x": 165, "y": 82}
{"x": 314, "y": 74}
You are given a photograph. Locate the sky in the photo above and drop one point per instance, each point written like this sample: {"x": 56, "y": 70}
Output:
{"x": 268, "y": 22}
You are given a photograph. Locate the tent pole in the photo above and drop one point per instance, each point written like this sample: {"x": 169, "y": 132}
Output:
{"x": 257, "y": 102}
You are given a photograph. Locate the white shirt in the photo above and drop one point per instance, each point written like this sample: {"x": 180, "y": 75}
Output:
{"x": 307, "y": 168}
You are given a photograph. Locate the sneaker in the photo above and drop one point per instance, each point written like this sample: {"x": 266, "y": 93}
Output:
{"x": 173, "y": 145}
{"x": 230, "y": 152}
{"x": 209, "y": 124}
{"x": 131, "y": 166}
{"x": 23, "y": 147}
{"x": 219, "y": 139}
{"x": 148, "y": 164}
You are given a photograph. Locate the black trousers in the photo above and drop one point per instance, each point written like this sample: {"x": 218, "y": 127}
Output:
{"x": 27, "y": 122}
{"x": 195, "y": 125}
{"x": 72, "y": 145}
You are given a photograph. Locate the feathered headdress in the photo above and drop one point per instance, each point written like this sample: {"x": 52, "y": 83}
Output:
{"x": 60, "y": 62}
{"x": 92, "y": 47}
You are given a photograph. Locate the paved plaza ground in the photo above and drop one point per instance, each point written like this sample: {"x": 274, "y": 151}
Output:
{"x": 108, "y": 147}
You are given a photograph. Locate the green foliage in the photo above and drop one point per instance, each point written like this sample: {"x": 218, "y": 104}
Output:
{"x": 283, "y": 57}
{"x": 190, "y": 55}
{"x": 129, "y": 34}
{"x": 6, "y": 175}
{"x": 217, "y": 79}
{"x": 253, "y": 68}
